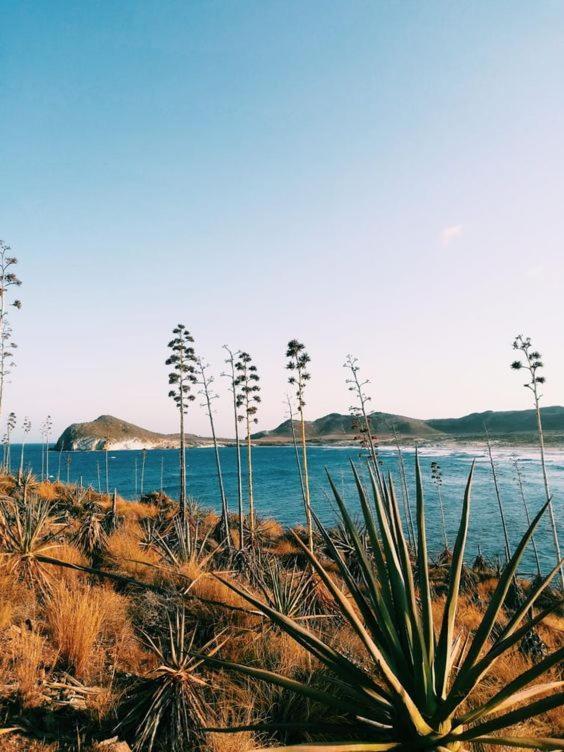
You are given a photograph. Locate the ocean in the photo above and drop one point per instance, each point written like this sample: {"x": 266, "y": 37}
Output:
{"x": 278, "y": 495}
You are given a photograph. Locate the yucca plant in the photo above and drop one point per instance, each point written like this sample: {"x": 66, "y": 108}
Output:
{"x": 410, "y": 692}
{"x": 29, "y": 528}
{"x": 166, "y": 709}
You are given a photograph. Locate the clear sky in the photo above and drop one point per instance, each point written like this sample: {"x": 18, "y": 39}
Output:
{"x": 380, "y": 178}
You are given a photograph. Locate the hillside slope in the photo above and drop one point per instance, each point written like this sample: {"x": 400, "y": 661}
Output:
{"x": 501, "y": 422}
{"x": 107, "y": 432}
{"x": 337, "y": 426}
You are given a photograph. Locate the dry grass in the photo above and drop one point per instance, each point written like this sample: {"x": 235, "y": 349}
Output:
{"x": 24, "y": 664}
{"x": 77, "y": 617}
{"x": 124, "y": 549}
{"x": 88, "y": 628}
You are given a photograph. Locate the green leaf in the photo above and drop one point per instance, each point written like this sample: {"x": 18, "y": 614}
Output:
{"x": 445, "y": 643}
{"x": 515, "y": 716}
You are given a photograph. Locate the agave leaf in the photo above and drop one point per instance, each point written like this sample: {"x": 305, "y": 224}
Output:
{"x": 393, "y": 573}
{"x": 534, "y": 594}
{"x": 337, "y": 747}
{"x": 423, "y": 567}
{"x": 477, "y": 672}
{"x": 338, "y": 703}
{"x": 338, "y": 663}
{"x": 513, "y": 692}
{"x": 515, "y": 716}
{"x": 386, "y": 630}
{"x": 374, "y": 650}
{"x": 523, "y": 742}
{"x": 422, "y": 655}
{"x": 498, "y": 598}
{"x": 445, "y": 643}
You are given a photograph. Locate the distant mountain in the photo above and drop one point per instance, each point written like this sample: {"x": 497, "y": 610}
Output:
{"x": 107, "y": 432}
{"x": 335, "y": 427}
{"x": 501, "y": 422}
{"x": 517, "y": 424}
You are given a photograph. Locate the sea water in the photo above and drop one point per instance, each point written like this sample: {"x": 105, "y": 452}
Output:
{"x": 277, "y": 489}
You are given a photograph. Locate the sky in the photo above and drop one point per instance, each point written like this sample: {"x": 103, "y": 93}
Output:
{"x": 377, "y": 178}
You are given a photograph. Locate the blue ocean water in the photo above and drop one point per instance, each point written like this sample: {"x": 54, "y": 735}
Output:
{"x": 277, "y": 488}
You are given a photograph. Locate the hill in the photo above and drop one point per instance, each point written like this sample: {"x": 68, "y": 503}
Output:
{"x": 512, "y": 425}
{"x": 501, "y": 422}
{"x": 107, "y": 432}
{"x": 339, "y": 427}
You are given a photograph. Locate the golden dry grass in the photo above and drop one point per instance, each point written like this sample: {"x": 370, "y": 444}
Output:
{"x": 125, "y": 552}
{"x": 78, "y": 616}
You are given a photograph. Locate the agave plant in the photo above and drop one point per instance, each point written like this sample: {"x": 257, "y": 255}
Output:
{"x": 411, "y": 690}
{"x": 91, "y": 535}
{"x": 286, "y": 591}
{"x": 184, "y": 544}
{"x": 29, "y": 528}
{"x": 166, "y": 709}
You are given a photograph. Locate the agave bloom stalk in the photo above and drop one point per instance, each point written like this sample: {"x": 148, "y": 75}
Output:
{"x": 519, "y": 479}
{"x": 205, "y": 380}
{"x": 231, "y": 375}
{"x": 181, "y": 379}
{"x": 248, "y": 398}
{"x": 26, "y": 429}
{"x": 437, "y": 478}
{"x": 295, "y": 444}
{"x": 409, "y": 691}
{"x": 533, "y": 364}
{"x": 360, "y": 410}
{"x": 298, "y": 361}
{"x": 7, "y": 346}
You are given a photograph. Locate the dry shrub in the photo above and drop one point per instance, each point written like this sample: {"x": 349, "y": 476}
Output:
{"x": 17, "y": 600}
{"x": 282, "y": 654}
{"x": 135, "y": 510}
{"x": 126, "y": 553}
{"x": 212, "y": 591}
{"x": 75, "y": 616}
{"x": 270, "y": 529}
{"x": 47, "y": 491}
{"x": 285, "y": 547}
{"x": 24, "y": 664}
{"x": 72, "y": 555}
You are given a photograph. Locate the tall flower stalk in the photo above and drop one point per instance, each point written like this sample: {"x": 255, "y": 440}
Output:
{"x": 26, "y": 429}
{"x": 498, "y": 497}
{"x": 7, "y": 280}
{"x": 519, "y": 479}
{"x": 46, "y": 434}
{"x": 532, "y": 363}
{"x": 359, "y": 411}
{"x": 206, "y": 380}
{"x": 231, "y": 374}
{"x": 10, "y": 425}
{"x": 298, "y": 361}
{"x": 437, "y": 479}
{"x": 143, "y": 461}
{"x": 295, "y": 443}
{"x": 182, "y": 378}
{"x": 247, "y": 401}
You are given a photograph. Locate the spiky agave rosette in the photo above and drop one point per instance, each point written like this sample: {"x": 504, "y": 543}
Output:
{"x": 411, "y": 692}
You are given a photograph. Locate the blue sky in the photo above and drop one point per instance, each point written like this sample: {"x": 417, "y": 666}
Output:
{"x": 381, "y": 178}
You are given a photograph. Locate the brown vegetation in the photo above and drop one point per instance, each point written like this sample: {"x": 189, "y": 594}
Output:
{"x": 77, "y": 642}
